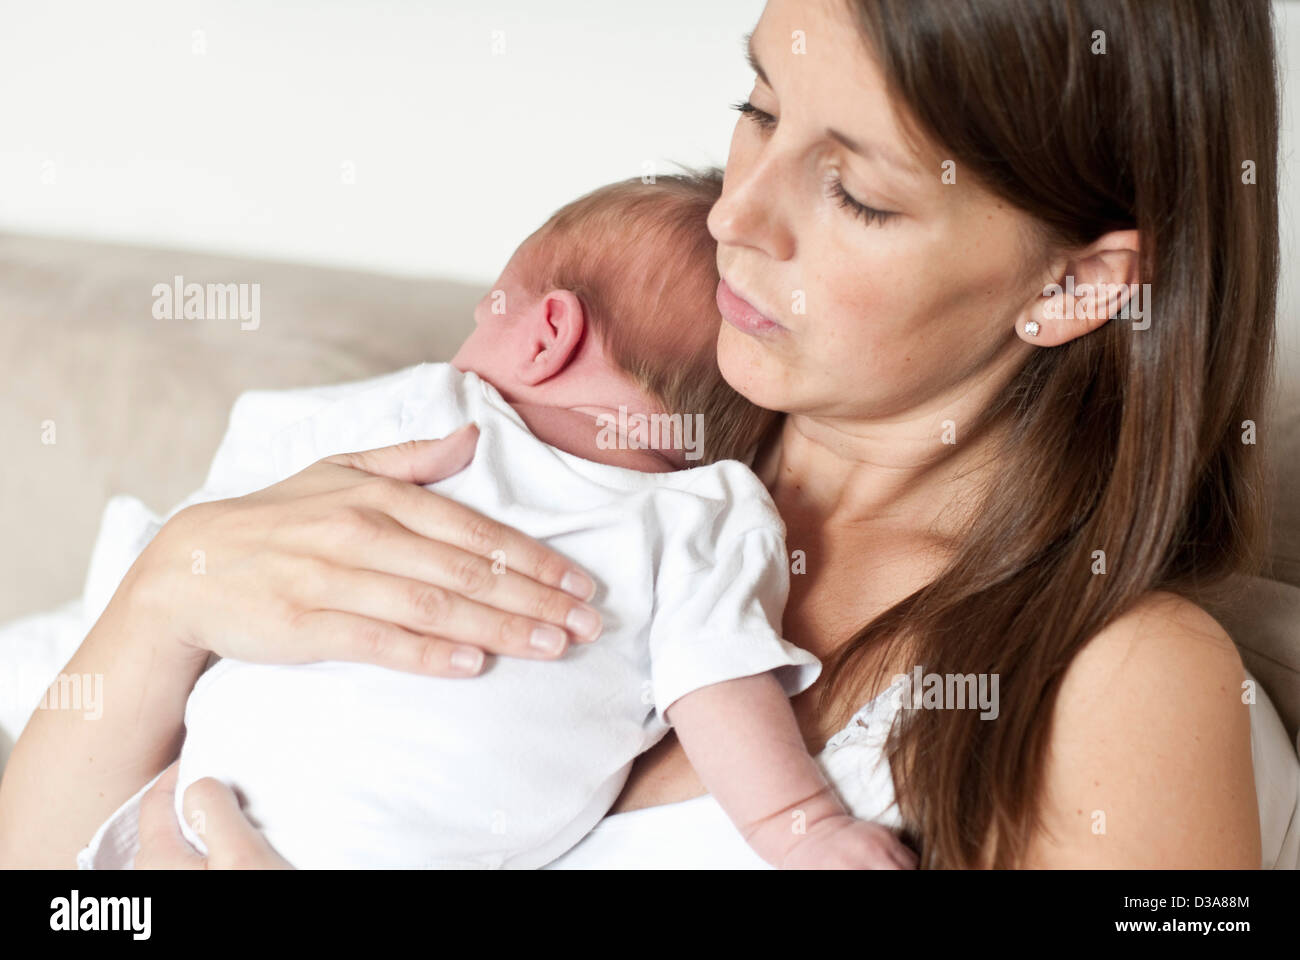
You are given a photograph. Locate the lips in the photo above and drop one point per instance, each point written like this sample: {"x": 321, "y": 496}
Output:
{"x": 743, "y": 315}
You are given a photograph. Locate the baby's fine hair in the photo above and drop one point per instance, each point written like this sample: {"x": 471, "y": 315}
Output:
{"x": 640, "y": 258}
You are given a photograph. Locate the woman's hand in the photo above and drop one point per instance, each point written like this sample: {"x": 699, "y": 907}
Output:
{"x": 233, "y": 843}
{"x": 352, "y": 559}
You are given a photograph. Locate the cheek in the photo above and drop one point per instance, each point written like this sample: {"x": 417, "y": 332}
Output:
{"x": 482, "y": 345}
{"x": 900, "y": 296}
{"x": 859, "y": 313}
{"x": 884, "y": 334}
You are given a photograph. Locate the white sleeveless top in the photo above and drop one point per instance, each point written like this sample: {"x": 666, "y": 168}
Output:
{"x": 696, "y": 834}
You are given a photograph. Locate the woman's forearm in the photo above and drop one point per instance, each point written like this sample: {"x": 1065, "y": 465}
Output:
{"x": 69, "y": 770}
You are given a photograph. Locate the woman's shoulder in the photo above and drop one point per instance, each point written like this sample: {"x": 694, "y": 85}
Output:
{"x": 1164, "y": 642}
{"x": 1149, "y": 759}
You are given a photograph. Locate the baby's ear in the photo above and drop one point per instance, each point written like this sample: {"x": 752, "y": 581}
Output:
{"x": 554, "y": 330}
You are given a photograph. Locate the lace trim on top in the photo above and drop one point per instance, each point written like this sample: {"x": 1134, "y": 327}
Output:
{"x": 871, "y": 724}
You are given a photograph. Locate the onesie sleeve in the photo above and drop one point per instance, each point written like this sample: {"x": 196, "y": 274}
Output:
{"x": 722, "y": 621}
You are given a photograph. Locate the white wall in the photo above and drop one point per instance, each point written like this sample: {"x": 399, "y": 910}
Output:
{"x": 112, "y": 126}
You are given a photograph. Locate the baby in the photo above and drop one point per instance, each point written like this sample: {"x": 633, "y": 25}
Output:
{"x": 606, "y": 432}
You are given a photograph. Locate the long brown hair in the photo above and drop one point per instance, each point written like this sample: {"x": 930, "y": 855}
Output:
{"x": 1124, "y": 440}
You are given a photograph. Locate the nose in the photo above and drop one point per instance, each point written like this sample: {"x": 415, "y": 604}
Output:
{"x": 750, "y": 212}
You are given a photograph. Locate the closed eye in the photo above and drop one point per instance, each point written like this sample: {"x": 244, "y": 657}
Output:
{"x": 761, "y": 117}
{"x": 835, "y": 187}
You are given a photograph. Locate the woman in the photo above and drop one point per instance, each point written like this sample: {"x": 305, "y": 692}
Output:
{"x": 983, "y": 480}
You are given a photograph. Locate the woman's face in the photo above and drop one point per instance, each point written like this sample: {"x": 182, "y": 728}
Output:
{"x": 870, "y": 287}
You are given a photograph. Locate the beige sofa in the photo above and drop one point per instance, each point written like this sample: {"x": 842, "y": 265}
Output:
{"x": 137, "y": 405}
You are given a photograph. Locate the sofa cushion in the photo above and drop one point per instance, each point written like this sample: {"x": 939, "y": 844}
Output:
{"x": 102, "y": 397}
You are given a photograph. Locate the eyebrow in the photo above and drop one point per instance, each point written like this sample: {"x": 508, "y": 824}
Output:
{"x": 868, "y": 151}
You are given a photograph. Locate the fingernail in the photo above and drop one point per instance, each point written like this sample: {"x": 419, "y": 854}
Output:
{"x": 546, "y": 638}
{"x": 467, "y": 660}
{"x": 583, "y": 621}
{"x": 578, "y": 585}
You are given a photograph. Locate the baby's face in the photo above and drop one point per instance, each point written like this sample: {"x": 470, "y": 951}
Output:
{"x": 501, "y": 318}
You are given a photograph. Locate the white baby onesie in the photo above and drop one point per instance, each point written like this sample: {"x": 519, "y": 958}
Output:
{"x": 350, "y": 765}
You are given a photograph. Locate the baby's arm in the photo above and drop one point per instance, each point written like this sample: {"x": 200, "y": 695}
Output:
{"x": 742, "y": 739}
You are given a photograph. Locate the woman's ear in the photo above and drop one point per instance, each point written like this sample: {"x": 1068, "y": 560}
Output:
{"x": 1084, "y": 289}
{"x": 552, "y": 333}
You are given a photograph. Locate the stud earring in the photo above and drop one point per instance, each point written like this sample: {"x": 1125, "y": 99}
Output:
{"x": 1031, "y": 328}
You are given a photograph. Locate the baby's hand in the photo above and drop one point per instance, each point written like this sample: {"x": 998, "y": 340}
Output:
{"x": 843, "y": 843}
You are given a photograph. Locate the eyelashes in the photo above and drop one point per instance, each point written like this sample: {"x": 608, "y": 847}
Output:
{"x": 834, "y": 185}
{"x": 751, "y": 112}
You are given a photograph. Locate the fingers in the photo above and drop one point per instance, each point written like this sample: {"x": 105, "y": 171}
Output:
{"x": 233, "y": 843}
{"x": 897, "y": 855}
{"x": 885, "y": 847}
{"x": 906, "y": 858}
{"x": 448, "y": 522}
{"x": 416, "y": 461}
{"x": 468, "y": 598}
{"x": 347, "y": 636}
{"x": 162, "y": 847}
{"x": 859, "y": 845}
{"x": 436, "y": 611}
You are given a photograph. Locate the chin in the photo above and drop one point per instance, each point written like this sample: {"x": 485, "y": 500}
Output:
{"x": 753, "y": 372}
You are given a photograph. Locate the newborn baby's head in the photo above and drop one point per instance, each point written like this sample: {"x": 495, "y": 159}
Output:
{"x": 609, "y": 311}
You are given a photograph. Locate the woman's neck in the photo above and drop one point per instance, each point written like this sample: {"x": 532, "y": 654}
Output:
{"x": 921, "y": 472}
{"x": 905, "y": 475}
